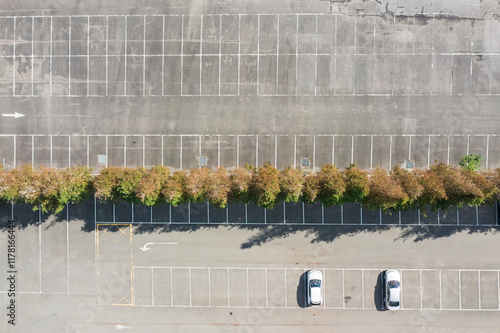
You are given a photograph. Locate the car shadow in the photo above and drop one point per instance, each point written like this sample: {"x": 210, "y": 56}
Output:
{"x": 301, "y": 291}
{"x": 377, "y": 293}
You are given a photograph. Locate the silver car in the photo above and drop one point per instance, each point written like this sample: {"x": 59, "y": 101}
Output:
{"x": 391, "y": 290}
{"x": 314, "y": 287}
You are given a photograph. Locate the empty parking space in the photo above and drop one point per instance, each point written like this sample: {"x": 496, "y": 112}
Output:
{"x": 307, "y": 152}
{"x": 241, "y": 54}
{"x": 356, "y": 288}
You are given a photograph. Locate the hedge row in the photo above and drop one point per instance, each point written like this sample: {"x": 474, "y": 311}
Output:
{"x": 440, "y": 187}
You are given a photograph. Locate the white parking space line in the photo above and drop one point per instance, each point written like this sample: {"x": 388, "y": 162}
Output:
{"x": 248, "y": 297}
{"x": 201, "y": 51}
{"x": 125, "y": 61}
{"x": 69, "y": 57}
{"x": 144, "y": 57}
{"x": 163, "y": 61}
{"x": 363, "y": 288}
{"x": 220, "y": 49}
{"x": 390, "y": 152}
{"x": 440, "y": 292}
{"x": 190, "y": 289}
{"x": 354, "y": 55}
{"x": 152, "y": 287}
{"x": 277, "y": 53}
{"x": 448, "y": 154}
{"x": 316, "y": 59}
{"x": 40, "y": 246}
{"x": 239, "y": 52}
{"x": 421, "y": 289}
{"x": 487, "y": 149}
{"x": 50, "y": 59}
{"x": 459, "y": 289}
{"x": 32, "y": 51}
{"x": 172, "y": 287}
{"x": 479, "y": 287}
{"x": 295, "y": 151}
{"x": 296, "y": 53}
{"x": 258, "y": 53}
{"x": 409, "y": 149}
{"x": 88, "y": 158}
{"x": 14, "y": 61}
{"x": 51, "y": 151}
{"x": 257, "y": 150}
{"x": 107, "y": 29}
{"x": 124, "y": 151}
{"x": 477, "y": 215}
{"x": 32, "y": 151}
{"x": 401, "y": 296}
{"x": 182, "y": 58}
{"x": 322, "y": 214}
{"x": 267, "y": 298}
{"x": 352, "y": 149}
{"x": 88, "y": 54}
{"x": 69, "y": 151}
{"x": 314, "y": 153}
{"x": 275, "y": 151}
{"x": 343, "y": 288}
{"x": 498, "y": 288}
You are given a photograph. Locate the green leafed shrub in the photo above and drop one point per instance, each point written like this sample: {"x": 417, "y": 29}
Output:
{"x": 310, "y": 189}
{"x": 106, "y": 184}
{"x": 410, "y": 185}
{"x": 218, "y": 188}
{"x": 173, "y": 190}
{"x": 331, "y": 185}
{"x": 77, "y": 185}
{"x": 470, "y": 162}
{"x": 290, "y": 181}
{"x": 241, "y": 179}
{"x": 357, "y": 184}
{"x": 265, "y": 187}
{"x": 148, "y": 191}
{"x": 459, "y": 189}
{"x": 385, "y": 192}
{"x": 196, "y": 184}
{"x": 129, "y": 181}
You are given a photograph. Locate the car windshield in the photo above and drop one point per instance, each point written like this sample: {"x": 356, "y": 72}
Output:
{"x": 393, "y": 284}
{"x": 315, "y": 283}
{"x": 393, "y": 303}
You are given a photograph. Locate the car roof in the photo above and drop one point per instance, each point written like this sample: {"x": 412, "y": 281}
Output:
{"x": 395, "y": 294}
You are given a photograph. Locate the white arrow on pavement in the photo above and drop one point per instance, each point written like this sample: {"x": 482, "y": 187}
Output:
{"x": 146, "y": 248}
{"x": 15, "y": 115}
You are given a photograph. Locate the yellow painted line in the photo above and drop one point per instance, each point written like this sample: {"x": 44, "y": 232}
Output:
{"x": 101, "y": 226}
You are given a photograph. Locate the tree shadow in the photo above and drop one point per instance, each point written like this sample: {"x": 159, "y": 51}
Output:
{"x": 26, "y": 216}
{"x": 425, "y": 232}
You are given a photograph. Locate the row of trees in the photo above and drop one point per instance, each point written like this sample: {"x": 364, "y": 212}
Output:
{"x": 440, "y": 187}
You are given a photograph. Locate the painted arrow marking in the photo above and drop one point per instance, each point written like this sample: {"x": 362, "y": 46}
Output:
{"x": 146, "y": 248}
{"x": 15, "y": 115}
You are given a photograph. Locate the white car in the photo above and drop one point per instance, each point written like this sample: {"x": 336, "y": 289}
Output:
{"x": 314, "y": 288}
{"x": 391, "y": 290}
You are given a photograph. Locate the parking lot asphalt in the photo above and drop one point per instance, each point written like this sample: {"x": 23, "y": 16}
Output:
{"x": 245, "y": 277}
{"x": 251, "y": 73}
{"x": 370, "y": 82}
{"x": 307, "y": 152}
